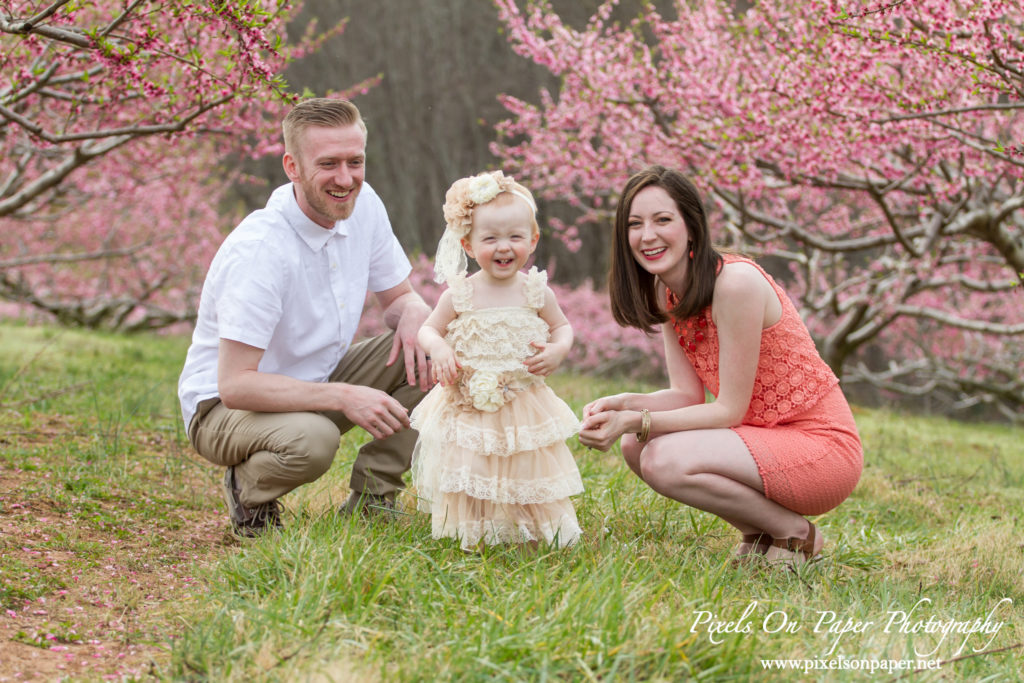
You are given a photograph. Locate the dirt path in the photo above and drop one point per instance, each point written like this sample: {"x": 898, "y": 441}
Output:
{"x": 95, "y": 600}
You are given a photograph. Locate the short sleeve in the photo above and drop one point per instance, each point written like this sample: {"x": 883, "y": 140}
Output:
{"x": 389, "y": 265}
{"x": 462, "y": 292}
{"x": 248, "y": 294}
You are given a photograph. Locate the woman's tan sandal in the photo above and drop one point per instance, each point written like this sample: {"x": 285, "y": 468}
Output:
{"x": 752, "y": 546}
{"x": 793, "y": 551}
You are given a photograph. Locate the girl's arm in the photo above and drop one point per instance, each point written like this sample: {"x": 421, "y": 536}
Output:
{"x": 551, "y": 353}
{"x": 443, "y": 367}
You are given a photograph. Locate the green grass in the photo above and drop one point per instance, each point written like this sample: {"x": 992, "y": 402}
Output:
{"x": 93, "y": 437}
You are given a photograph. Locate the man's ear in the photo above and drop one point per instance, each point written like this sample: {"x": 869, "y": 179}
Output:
{"x": 291, "y": 167}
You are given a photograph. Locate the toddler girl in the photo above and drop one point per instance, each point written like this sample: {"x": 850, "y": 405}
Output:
{"x": 491, "y": 464}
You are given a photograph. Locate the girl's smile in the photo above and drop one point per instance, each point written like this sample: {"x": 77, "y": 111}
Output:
{"x": 502, "y": 238}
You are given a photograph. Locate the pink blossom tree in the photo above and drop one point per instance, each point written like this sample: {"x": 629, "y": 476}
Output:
{"x": 877, "y": 150}
{"x": 121, "y": 122}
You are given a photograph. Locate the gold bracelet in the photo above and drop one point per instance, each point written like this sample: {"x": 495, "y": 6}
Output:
{"x": 645, "y": 425}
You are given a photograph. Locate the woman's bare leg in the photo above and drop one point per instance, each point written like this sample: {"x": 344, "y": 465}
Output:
{"x": 712, "y": 470}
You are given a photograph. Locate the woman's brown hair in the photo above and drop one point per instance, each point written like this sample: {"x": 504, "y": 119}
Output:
{"x": 632, "y": 289}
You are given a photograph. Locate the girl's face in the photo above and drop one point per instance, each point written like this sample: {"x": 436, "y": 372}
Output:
{"x": 658, "y": 237}
{"x": 502, "y": 238}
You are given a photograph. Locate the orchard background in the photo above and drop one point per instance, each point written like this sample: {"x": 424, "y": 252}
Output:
{"x": 870, "y": 155}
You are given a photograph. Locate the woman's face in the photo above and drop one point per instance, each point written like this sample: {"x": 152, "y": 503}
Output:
{"x": 658, "y": 237}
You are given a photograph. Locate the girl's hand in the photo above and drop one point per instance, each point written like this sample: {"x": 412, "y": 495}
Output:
{"x": 546, "y": 360}
{"x": 443, "y": 366}
{"x": 601, "y": 430}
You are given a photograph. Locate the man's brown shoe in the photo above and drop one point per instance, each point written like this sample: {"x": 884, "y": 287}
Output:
{"x": 249, "y": 521}
{"x": 368, "y": 505}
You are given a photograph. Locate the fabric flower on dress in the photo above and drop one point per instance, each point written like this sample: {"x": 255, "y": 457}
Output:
{"x": 486, "y": 391}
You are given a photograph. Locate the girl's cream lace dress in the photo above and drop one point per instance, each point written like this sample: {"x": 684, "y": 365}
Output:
{"x": 491, "y": 463}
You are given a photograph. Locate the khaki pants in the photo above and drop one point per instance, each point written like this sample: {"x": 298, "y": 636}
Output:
{"x": 273, "y": 453}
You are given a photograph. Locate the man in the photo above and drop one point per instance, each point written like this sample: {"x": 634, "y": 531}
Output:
{"x": 271, "y": 379}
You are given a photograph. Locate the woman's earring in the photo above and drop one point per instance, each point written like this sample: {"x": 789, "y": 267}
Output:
{"x": 691, "y": 254}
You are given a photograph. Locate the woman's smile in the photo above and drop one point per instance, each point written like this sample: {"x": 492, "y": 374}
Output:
{"x": 658, "y": 236}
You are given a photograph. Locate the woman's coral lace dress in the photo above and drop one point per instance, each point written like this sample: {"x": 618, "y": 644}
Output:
{"x": 799, "y": 427}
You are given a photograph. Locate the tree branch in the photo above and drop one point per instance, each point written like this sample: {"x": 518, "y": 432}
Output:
{"x": 814, "y": 240}
{"x": 46, "y": 13}
{"x": 950, "y": 112}
{"x": 991, "y": 228}
{"x": 71, "y": 257}
{"x": 84, "y": 153}
{"x": 133, "y": 131}
{"x": 893, "y": 223}
{"x": 53, "y": 33}
{"x": 120, "y": 20}
{"x": 958, "y": 322}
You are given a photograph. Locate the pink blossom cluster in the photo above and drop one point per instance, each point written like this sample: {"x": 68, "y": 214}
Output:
{"x": 869, "y": 146}
{"x": 121, "y": 129}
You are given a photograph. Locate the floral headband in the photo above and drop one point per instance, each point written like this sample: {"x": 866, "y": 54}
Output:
{"x": 462, "y": 197}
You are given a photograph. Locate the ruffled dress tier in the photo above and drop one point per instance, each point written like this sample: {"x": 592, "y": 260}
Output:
{"x": 491, "y": 464}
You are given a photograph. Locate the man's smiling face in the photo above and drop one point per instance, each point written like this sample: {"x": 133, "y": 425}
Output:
{"x": 328, "y": 168}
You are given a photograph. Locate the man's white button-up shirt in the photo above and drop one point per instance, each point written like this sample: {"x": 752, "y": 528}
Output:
{"x": 282, "y": 283}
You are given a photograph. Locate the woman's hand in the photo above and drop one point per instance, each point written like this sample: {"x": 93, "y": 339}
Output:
{"x": 605, "y": 403}
{"x": 602, "y": 429}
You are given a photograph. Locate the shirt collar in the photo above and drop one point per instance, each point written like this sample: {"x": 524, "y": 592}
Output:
{"x": 313, "y": 234}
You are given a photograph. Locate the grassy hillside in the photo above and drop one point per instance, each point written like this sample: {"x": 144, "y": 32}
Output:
{"x": 115, "y": 561}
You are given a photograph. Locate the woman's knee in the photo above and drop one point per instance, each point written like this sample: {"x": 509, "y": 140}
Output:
{"x": 662, "y": 465}
{"x": 631, "y": 451}
{"x": 652, "y": 463}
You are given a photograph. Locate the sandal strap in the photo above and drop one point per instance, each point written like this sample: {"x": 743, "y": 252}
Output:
{"x": 799, "y": 545}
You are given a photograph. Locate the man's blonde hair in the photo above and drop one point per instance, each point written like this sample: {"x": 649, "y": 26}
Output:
{"x": 318, "y": 111}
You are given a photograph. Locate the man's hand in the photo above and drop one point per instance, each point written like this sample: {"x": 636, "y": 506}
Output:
{"x": 373, "y": 410}
{"x": 405, "y": 312}
{"x": 416, "y": 364}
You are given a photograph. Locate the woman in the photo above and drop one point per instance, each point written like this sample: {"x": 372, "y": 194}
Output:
{"x": 779, "y": 441}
